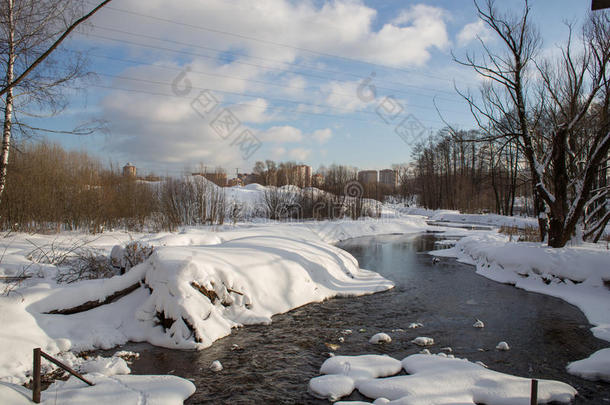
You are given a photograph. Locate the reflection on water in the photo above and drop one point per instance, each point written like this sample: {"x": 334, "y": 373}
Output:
{"x": 273, "y": 364}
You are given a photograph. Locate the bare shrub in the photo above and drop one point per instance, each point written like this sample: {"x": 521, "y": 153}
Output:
{"x": 57, "y": 252}
{"x": 192, "y": 201}
{"x": 281, "y": 203}
{"x": 87, "y": 264}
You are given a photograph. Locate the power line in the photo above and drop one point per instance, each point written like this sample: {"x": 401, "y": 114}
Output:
{"x": 262, "y": 96}
{"x": 268, "y": 42}
{"x": 294, "y": 65}
{"x": 275, "y": 84}
{"x": 247, "y": 80}
{"x": 301, "y": 112}
{"x": 261, "y": 66}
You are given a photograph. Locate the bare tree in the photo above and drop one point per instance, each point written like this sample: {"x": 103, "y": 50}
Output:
{"x": 32, "y": 32}
{"x": 548, "y": 110}
{"x": 502, "y": 111}
{"x": 576, "y": 136}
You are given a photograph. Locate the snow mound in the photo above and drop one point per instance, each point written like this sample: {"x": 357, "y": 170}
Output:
{"x": 331, "y": 387}
{"x": 503, "y": 346}
{"x": 595, "y": 367}
{"x": 380, "y": 338}
{"x": 216, "y": 366}
{"x": 342, "y": 373}
{"x": 107, "y": 366}
{"x": 120, "y": 389}
{"x": 436, "y": 380}
{"x": 361, "y": 367}
{"x": 202, "y": 292}
{"x": 423, "y": 341}
{"x": 478, "y": 324}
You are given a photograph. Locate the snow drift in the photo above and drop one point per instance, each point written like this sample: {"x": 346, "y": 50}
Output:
{"x": 193, "y": 290}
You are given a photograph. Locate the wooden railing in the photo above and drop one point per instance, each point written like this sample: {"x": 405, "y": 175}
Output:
{"x": 38, "y": 354}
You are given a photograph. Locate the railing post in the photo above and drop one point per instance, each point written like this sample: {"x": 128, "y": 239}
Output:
{"x": 534, "y": 393}
{"x": 36, "y": 377}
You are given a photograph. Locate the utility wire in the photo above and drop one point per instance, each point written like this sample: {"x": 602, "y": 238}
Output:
{"x": 273, "y": 108}
{"x": 242, "y": 94}
{"x": 268, "y": 42}
{"x": 253, "y": 95}
{"x": 123, "y": 41}
{"x": 275, "y": 61}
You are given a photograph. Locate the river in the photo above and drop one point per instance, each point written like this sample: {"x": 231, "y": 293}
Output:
{"x": 272, "y": 364}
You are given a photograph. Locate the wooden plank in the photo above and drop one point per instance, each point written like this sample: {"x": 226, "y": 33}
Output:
{"x": 94, "y": 304}
{"x": 62, "y": 365}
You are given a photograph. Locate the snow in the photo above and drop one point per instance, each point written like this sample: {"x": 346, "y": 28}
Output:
{"x": 456, "y": 217}
{"x": 120, "y": 389}
{"x": 106, "y": 366}
{"x": 331, "y": 387}
{"x": 594, "y": 367}
{"x": 343, "y": 372}
{"x": 503, "y": 346}
{"x": 423, "y": 341}
{"x": 216, "y": 366}
{"x": 431, "y": 380}
{"x": 380, "y": 338}
{"x": 478, "y": 324}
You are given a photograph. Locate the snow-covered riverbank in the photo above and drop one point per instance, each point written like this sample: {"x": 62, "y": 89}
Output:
{"x": 579, "y": 275}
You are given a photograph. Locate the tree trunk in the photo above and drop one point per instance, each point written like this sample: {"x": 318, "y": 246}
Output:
{"x": 8, "y": 111}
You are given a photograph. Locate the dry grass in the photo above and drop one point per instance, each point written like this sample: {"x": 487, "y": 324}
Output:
{"x": 527, "y": 234}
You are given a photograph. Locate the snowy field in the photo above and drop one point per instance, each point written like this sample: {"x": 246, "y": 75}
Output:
{"x": 200, "y": 283}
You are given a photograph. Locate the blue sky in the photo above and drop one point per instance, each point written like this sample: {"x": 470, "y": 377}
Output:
{"x": 287, "y": 73}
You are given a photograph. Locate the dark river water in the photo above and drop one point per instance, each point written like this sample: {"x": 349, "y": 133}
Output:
{"x": 274, "y": 363}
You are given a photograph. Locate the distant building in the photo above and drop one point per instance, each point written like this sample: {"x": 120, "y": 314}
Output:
{"x": 303, "y": 175}
{"x": 367, "y": 176}
{"x": 129, "y": 170}
{"x": 388, "y": 177}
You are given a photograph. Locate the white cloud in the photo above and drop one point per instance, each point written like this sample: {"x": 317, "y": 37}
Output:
{"x": 344, "y": 95}
{"x": 402, "y": 42}
{"x": 168, "y": 130}
{"x": 472, "y": 31}
{"x": 322, "y": 135}
{"x": 299, "y": 154}
{"x": 278, "y": 152}
{"x": 281, "y": 134}
{"x": 253, "y": 111}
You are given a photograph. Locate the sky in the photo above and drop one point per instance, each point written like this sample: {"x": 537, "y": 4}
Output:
{"x": 226, "y": 83}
